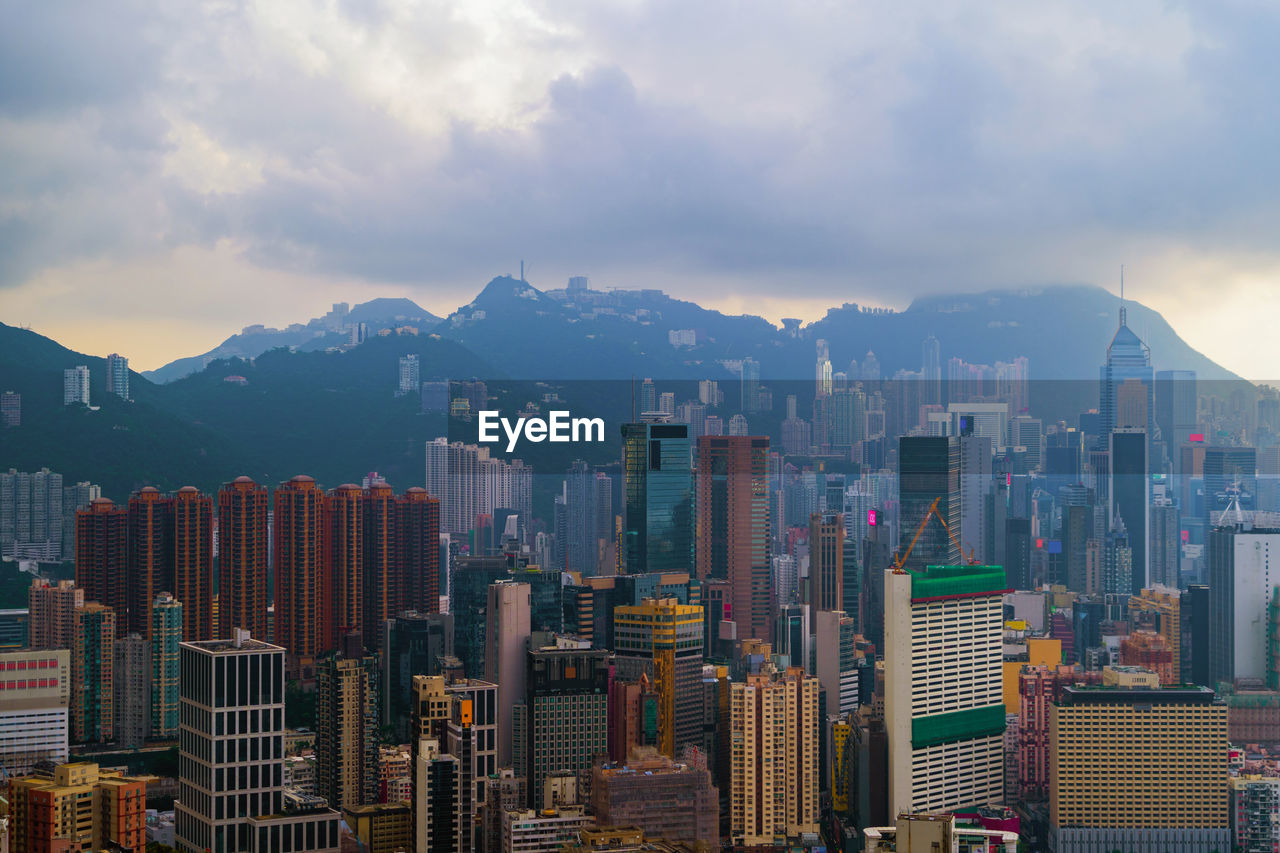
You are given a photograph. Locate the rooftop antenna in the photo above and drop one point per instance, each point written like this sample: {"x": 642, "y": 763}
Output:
{"x": 1122, "y": 318}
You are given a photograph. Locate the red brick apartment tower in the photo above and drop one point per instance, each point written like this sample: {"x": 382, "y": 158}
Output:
{"x": 381, "y": 593}
{"x": 301, "y": 589}
{"x": 193, "y": 562}
{"x": 242, "y": 559}
{"x": 418, "y": 550}
{"x": 732, "y": 531}
{"x": 150, "y": 569}
{"x": 102, "y": 533}
{"x": 344, "y": 563}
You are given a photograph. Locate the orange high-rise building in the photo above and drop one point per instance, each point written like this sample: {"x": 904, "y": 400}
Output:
{"x": 78, "y": 807}
{"x": 382, "y": 591}
{"x": 150, "y": 568}
{"x": 102, "y": 533}
{"x": 418, "y": 551}
{"x": 732, "y": 533}
{"x": 302, "y": 593}
{"x": 343, "y": 533}
{"x": 242, "y": 559}
{"x": 193, "y": 562}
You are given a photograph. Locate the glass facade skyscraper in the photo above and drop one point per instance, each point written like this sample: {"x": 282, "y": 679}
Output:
{"x": 658, "y": 487}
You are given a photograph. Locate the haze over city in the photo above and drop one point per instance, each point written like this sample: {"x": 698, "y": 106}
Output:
{"x": 172, "y": 175}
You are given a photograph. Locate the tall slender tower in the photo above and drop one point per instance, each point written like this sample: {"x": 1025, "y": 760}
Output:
{"x": 343, "y": 563}
{"x": 928, "y": 468}
{"x": 661, "y": 640}
{"x": 347, "y": 728}
{"x": 733, "y": 527}
{"x": 93, "y": 659}
{"x": 193, "y": 563}
{"x": 507, "y": 625}
{"x": 418, "y": 550}
{"x": 150, "y": 567}
{"x": 102, "y": 555}
{"x": 658, "y": 496}
{"x": 166, "y": 635}
{"x": 301, "y": 612}
{"x": 826, "y": 561}
{"x": 382, "y": 591}
{"x": 242, "y": 560}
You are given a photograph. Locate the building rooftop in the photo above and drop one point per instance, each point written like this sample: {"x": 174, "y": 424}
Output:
{"x": 1096, "y": 694}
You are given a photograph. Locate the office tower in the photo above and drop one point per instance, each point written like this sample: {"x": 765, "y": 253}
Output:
{"x": 588, "y": 507}
{"x": 10, "y": 409}
{"x": 1253, "y": 804}
{"x": 658, "y": 496}
{"x": 231, "y": 759}
{"x": 661, "y": 640}
{"x": 468, "y": 482}
{"x": 563, "y": 722}
{"x": 648, "y": 397}
{"x": 34, "y": 716}
{"x": 1138, "y": 768}
{"x": 166, "y": 635}
{"x": 413, "y": 644}
{"x": 409, "y": 380}
{"x": 1195, "y": 621}
{"x": 835, "y": 651}
{"x": 1126, "y": 374}
{"x": 507, "y": 632}
{"x": 472, "y": 721}
{"x": 774, "y": 772}
{"x": 303, "y": 595}
{"x": 437, "y": 799}
{"x": 793, "y": 635}
{"x": 101, "y": 555}
{"x": 1077, "y": 530}
{"x": 347, "y": 727}
{"x": 52, "y": 612}
{"x": 1240, "y": 583}
{"x": 975, "y": 489}
{"x": 131, "y": 705}
{"x": 118, "y": 376}
{"x": 78, "y": 807}
{"x": 1229, "y": 472}
{"x": 826, "y": 561}
{"x": 1175, "y": 405}
{"x": 749, "y": 373}
{"x": 93, "y": 652}
{"x": 664, "y": 798}
{"x": 469, "y": 602}
{"x": 74, "y": 498}
{"x": 733, "y": 528}
{"x": 417, "y": 528}
{"x": 382, "y": 584}
{"x": 928, "y": 469}
{"x": 1130, "y": 497}
{"x": 150, "y": 557}
{"x": 931, "y": 371}
{"x": 1026, "y": 431}
{"x": 75, "y": 385}
{"x": 943, "y": 627}
{"x": 242, "y": 566}
{"x": 31, "y": 515}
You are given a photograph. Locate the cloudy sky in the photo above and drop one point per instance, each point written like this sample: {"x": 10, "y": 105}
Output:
{"x": 170, "y": 172}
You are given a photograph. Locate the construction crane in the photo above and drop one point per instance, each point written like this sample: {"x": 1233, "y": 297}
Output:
{"x": 899, "y": 562}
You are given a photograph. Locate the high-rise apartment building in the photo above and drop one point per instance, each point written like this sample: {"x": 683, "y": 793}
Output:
{"x": 242, "y": 563}
{"x": 1254, "y": 804}
{"x": 131, "y": 679}
{"x": 347, "y": 728}
{"x": 733, "y": 528}
{"x": 417, "y": 523}
{"x": 342, "y": 563}
{"x": 563, "y": 722}
{"x": 78, "y": 807}
{"x": 469, "y": 482}
{"x": 231, "y": 757}
{"x": 193, "y": 565}
{"x": 382, "y": 591}
{"x": 10, "y": 409}
{"x": 1240, "y": 584}
{"x": 166, "y": 636}
{"x": 1140, "y": 768}
{"x": 150, "y": 560}
{"x": 928, "y": 469}
{"x": 837, "y": 660}
{"x": 34, "y": 717}
{"x": 409, "y": 374}
{"x": 75, "y": 385}
{"x": 118, "y": 376}
{"x": 31, "y": 515}
{"x": 93, "y": 651}
{"x": 74, "y": 498}
{"x": 1159, "y": 609}
{"x": 944, "y": 708}
{"x": 657, "y": 462}
{"x": 661, "y": 639}
{"x": 413, "y": 644}
{"x": 303, "y": 594}
{"x": 52, "y": 611}
{"x": 774, "y": 774}
{"x": 507, "y": 631}
{"x": 102, "y": 565}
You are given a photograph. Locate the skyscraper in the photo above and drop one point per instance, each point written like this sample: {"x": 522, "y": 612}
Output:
{"x": 507, "y": 630}
{"x": 93, "y": 651}
{"x": 347, "y": 727}
{"x": 342, "y": 564}
{"x": 975, "y": 490}
{"x": 102, "y": 533}
{"x": 1240, "y": 584}
{"x": 53, "y": 613}
{"x": 733, "y": 527}
{"x": 928, "y": 469}
{"x": 118, "y": 376}
{"x": 150, "y": 561}
{"x": 31, "y": 515}
{"x": 193, "y": 566}
{"x": 131, "y": 684}
{"x": 231, "y": 756}
{"x": 774, "y": 762}
{"x": 382, "y": 593}
{"x": 418, "y": 550}
{"x": 242, "y": 562}
{"x": 166, "y": 636}
{"x": 1131, "y": 496}
{"x": 661, "y": 639}
{"x": 414, "y": 643}
{"x": 303, "y": 596}
{"x": 658, "y": 493}
{"x": 931, "y": 371}
{"x": 944, "y": 628}
{"x": 75, "y": 385}
{"x": 826, "y": 561}
{"x": 1128, "y": 366}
